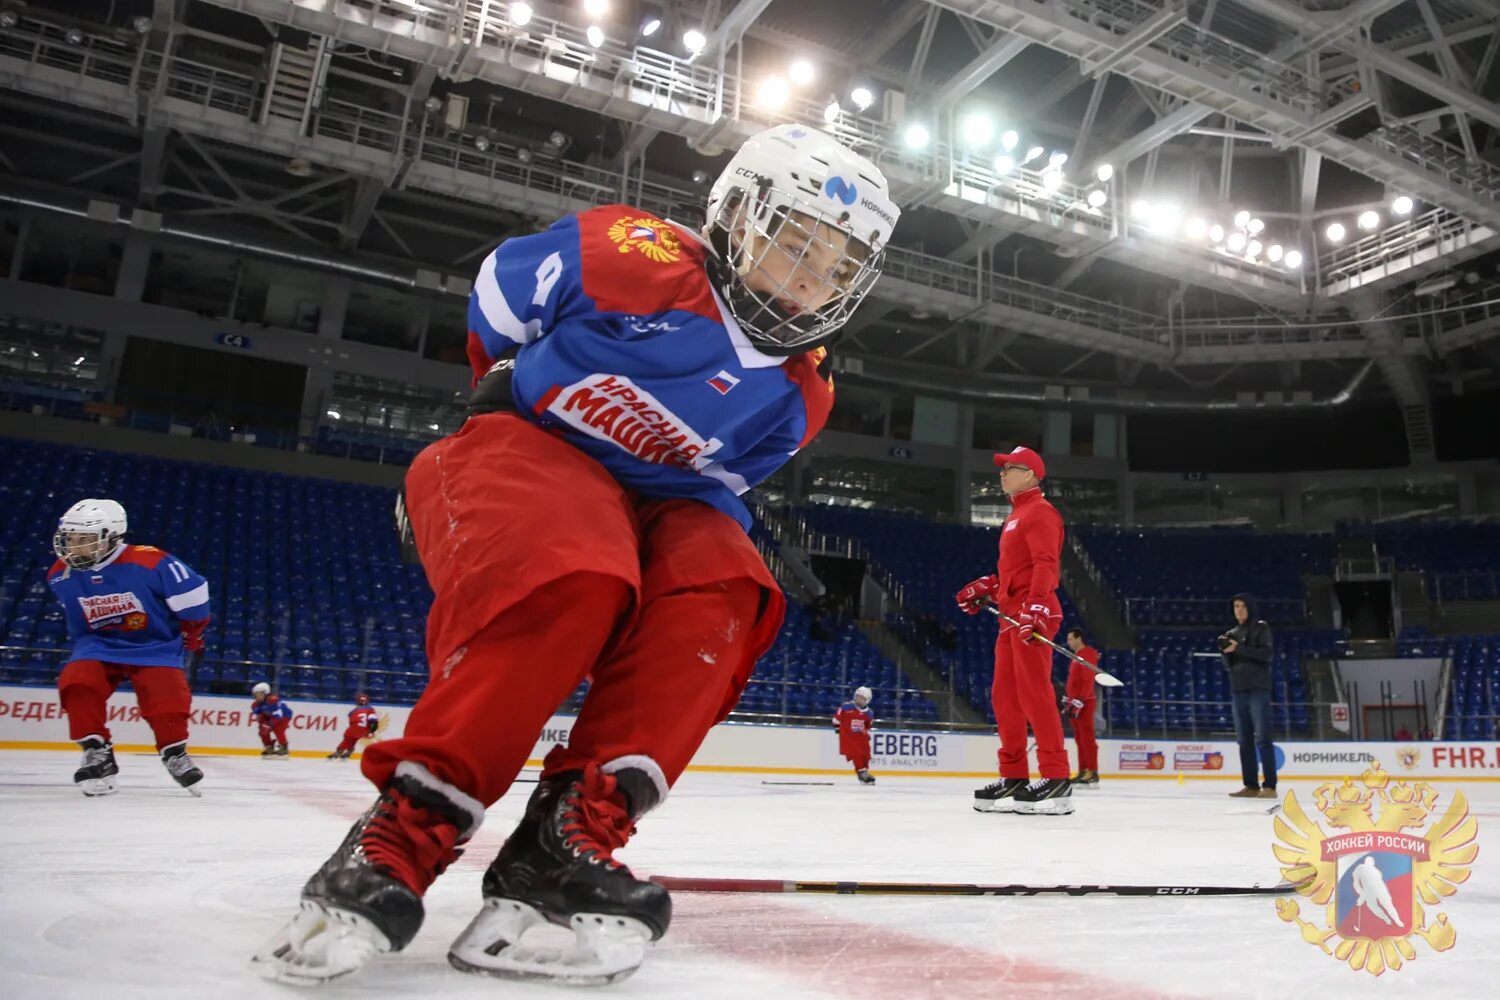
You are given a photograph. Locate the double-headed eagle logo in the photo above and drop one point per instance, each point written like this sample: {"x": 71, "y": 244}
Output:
{"x": 652, "y": 237}
{"x": 1374, "y": 878}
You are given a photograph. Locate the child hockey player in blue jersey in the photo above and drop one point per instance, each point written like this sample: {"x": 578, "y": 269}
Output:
{"x": 634, "y": 378}
{"x": 133, "y": 612}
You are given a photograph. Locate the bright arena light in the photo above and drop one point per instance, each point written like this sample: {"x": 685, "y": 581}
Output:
{"x": 1052, "y": 180}
{"x": 1057, "y": 160}
{"x": 773, "y": 93}
{"x": 1216, "y": 233}
{"x": 1166, "y": 219}
{"x": 650, "y": 26}
{"x": 1335, "y": 231}
{"x": 1140, "y": 209}
{"x": 802, "y": 72}
{"x": 595, "y": 8}
{"x": 1242, "y": 218}
{"x": 1254, "y": 226}
{"x": 520, "y": 14}
{"x": 916, "y": 136}
{"x": 1097, "y": 198}
{"x": 1196, "y": 228}
{"x": 1274, "y": 253}
{"x": 693, "y": 40}
{"x": 1033, "y": 153}
{"x": 595, "y": 35}
{"x": 1368, "y": 219}
{"x": 1253, "y": 248}
{"x": 978, "y": 130}
{"x": 1236, "y": 242}
{"x": 1004, "y": 164}
{"x": 1402, "y": 205}
{"x": 1293, "y": 259}
{"x": 1008, "y": 139}
{"x": 861, "y": 97}
{"x": 831, "y": 113}
{"x": 1104, "y": 172}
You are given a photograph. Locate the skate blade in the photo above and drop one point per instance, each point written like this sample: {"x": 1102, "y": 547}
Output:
{"x": 605, "y": 948}
{"x": 1047, "y": 807}
{"x": 992, "y": 806}
{"x": 95, "y": 787}
{"x": 318, "y": 944}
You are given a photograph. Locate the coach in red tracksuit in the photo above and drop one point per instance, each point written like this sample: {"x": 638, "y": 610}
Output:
{"x": 1025, "y": 588}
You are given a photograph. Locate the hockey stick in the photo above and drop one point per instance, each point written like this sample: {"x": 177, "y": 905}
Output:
{"x": 1104, "y": 678}
{"x": 770, "y": 885}
{"x": 819, "y": 783}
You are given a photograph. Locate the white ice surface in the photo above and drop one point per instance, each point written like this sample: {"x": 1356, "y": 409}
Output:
{"x": 151, "y": 894}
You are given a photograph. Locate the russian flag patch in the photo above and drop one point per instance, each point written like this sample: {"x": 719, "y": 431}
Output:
{"x": 723, "y": 382}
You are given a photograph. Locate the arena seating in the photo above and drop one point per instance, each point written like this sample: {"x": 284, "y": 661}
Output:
{"x": 1187, "y": 577}
{"x": 306, "y": 574}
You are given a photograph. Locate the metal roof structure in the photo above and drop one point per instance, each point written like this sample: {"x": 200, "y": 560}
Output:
{"x": 427, "y": 130}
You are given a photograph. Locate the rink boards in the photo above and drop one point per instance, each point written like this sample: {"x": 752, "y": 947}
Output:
{"x": 31, "y": 718}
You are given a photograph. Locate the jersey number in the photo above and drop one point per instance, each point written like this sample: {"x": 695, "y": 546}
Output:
{"x": 547, "y": 274}
{"x": 179, "y": 572}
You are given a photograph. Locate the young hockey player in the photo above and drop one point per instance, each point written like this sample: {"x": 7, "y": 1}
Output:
{"x": 855, "y": 720}
{"x": 1078, "y": 702}
{"x": 275, "y": 716}
{"x": 259, "y": 711}
{"x": 1025, "y": 589}
{"x": 363, "y": 721}
{"x": 635, "y": 378}
{"x": 134, "y": 613}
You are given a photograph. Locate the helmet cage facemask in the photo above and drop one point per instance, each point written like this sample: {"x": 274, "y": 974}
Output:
{"x": 747, "y": 229}
{"x": 84, "y": 548}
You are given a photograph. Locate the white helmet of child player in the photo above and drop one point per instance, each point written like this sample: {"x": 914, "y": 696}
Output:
{"x": 261, "y": 688}
{"x": 786, "y": 188}
{"x": 89, "y": 533}
{"x": 864, "y": 693}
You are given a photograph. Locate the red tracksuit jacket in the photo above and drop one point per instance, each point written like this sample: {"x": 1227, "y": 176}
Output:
{"x": 1030, "y": 550}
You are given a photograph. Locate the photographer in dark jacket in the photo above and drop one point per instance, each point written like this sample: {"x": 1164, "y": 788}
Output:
{"x": 1246, "y": 650}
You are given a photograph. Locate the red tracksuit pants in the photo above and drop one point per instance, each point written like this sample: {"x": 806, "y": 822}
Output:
{"x": 1022, "y": 693}
{"x": 273, "y": 732}
{"x": 855, "y": 748}
{"x": 545, "y": 570}
{"x": 84, "y": 687}
{"x": 1083, "y": 734}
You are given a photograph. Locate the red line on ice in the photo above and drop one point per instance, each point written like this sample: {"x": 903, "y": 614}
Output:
{"x": 849, "y": 957}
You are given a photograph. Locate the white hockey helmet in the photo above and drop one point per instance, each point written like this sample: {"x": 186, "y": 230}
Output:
{"x": 89, "y": 533}
{"x": 863, "y": 693}
{"x": 261, "y": 689}
{"x": 797, "y": 176}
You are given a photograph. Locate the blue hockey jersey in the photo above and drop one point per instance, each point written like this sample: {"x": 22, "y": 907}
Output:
{"x": 268, "y": 711}
{"x": 129, "y": 609}
{"x": 628, "y": 352}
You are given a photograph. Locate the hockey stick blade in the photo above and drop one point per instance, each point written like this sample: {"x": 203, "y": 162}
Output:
{"x": 1104, "y": 678}
{"x": 769, "y": 885}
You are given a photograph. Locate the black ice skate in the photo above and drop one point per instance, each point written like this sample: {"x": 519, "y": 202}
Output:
{"x": 269, "y": 751}
{"x": 1087, "y": 778}
{"x": 1046, "y": 797}
{"x": 367, "y": 898}
{"x": 865, "y": 777}
{"x": 998, "y": 796}
{"x": 339, "y": 755}
{"x": 181, "y": 767}
{"x": 557, "y": 868}
{"x": 96, "y": 774}
{"x": 281, "y": 751}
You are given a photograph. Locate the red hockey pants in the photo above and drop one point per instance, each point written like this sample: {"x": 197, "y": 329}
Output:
{"x": 352, "y": 735}
{"x": 545, "y": 570}
{"x": 84, "y": 687}
{"x": 855, "y": 748}
{"x": 1083, "y": 734}
{"x": 1021, "y": 694}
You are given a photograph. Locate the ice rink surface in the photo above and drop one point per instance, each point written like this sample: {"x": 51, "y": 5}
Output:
{"x": 152, "y": 894}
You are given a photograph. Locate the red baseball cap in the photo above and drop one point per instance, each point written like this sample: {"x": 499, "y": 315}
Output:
{"x": 1022, "y": 456}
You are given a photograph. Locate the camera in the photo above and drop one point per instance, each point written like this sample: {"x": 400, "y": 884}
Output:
{"x": 1224, "y": 641}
